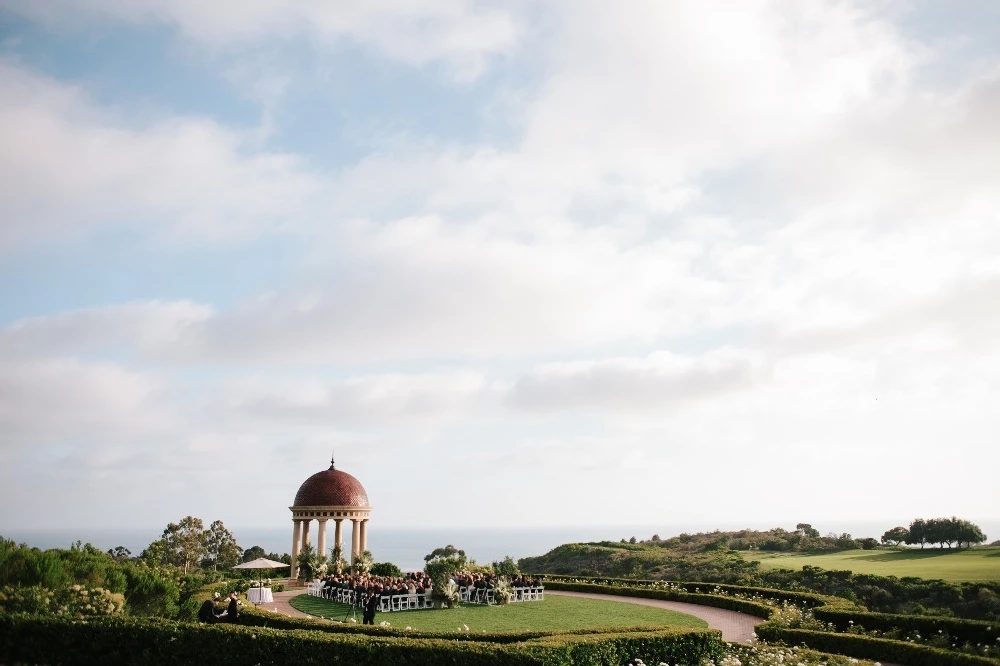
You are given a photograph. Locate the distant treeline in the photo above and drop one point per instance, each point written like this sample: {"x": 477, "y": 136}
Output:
{"x": 942, "y": 531}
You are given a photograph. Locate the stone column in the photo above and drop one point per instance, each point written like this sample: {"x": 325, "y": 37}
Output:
{"x": 364, "y": 536}
{"x": 338, "y": 535}
{"x": 321, "y": 538}
{"x": 355, "y": 539}
{"x": 296, "y": 541}
{"x": 305, "y": 530}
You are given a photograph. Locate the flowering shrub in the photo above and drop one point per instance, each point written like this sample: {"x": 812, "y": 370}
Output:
{"x": 791, "y": 616}
{"x": 765, "y": 655}
{"x": 74, "y": 601}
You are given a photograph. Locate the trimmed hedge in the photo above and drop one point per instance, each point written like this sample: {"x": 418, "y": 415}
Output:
{"x": 127, "y": 641}
{"x": 960, "y": 630}
{"x": 806, "y": 599}
{"x": 714, "y": 600}
{"x": 867, "y": 647}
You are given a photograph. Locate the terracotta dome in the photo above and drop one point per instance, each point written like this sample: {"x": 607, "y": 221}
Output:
{"x": 332, "y": 487}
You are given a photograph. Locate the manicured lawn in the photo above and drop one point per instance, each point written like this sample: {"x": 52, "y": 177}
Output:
{"x": 551, "y": 614}
{"x": 977, "y": 565}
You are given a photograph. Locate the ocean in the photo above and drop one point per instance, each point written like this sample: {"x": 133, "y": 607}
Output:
{"x": 406, "y": 547}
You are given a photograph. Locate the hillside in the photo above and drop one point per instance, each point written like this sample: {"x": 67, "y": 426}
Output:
{"x": 964, "y": 583}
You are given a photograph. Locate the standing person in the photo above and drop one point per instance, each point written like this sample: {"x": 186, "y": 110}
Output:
{"x": 232, "y": 613}
{"x": 371, "y": 603}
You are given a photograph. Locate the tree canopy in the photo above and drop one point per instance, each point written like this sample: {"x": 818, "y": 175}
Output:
{"x": 943, "y": 531}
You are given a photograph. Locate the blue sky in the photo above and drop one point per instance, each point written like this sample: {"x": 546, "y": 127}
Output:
{"x": 739, "y": 251}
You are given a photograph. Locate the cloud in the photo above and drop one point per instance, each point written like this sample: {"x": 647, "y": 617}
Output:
{"x": 366, "y": 401}
{"x": 70, "y": 167}
{"x": 57, "y": 401}
{"x": 462, "y": 33}
{"x": 660, "y": 381}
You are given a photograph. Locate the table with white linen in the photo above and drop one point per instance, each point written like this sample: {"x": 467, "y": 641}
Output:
{"x": 260, "y": 595}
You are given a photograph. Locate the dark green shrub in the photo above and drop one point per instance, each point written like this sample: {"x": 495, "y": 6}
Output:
{"x": 140, "y": 640}
{"x": 866, "y": 647}
{"x": 386, "y": 569}
{"x": 961, "y": 631}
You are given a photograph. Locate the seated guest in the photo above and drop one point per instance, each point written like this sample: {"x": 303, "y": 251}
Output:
{"x": 207, "y": 612}
{"x": 232, "y": 613}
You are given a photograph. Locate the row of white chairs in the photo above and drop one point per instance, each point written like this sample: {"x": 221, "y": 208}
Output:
{"x": 484, "y": 595}
{"x": 404, "y": 602}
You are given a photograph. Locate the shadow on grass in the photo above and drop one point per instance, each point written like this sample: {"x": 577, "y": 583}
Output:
{"x": 894, "y": 555}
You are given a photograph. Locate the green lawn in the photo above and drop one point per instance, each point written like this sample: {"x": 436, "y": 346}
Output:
{"x": 977, "y": 565}
{"x": 554, "y": 613}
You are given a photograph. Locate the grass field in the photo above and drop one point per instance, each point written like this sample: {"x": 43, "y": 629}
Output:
{"x": 553, "y": 613}
{"x": 978, "y": 565}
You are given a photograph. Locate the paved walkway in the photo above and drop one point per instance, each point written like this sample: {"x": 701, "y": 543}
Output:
{"x": 281, "y": 604}
{"x": 736, "y": 627}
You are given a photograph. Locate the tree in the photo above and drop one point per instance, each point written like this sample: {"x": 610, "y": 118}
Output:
{"x": 896, "y": 536}
{"x": 182, "y": 543}
{"x": 363, "y": 563}
{"x": 940, "y": 531}
{"x": 441, "y": 564}
{"x": 386, "y": 569}
{"x": 807, "y": 530}
{"x": 917, "y": 532}
{"x": 221, "y": 549}
{"x": 507, "y": 568}
{"x": 969, "y": 534}
{"x": 337, "y": 561}
{"x": 308, "y": 562}
{"x": 253, "y": 553}
{"x": 120, "y": 553}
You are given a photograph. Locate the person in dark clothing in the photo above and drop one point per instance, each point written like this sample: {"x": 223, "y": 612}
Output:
{"x": 233, "y": 612}
{"x": 371, "y": 603}
{"x": 207, "y": 612}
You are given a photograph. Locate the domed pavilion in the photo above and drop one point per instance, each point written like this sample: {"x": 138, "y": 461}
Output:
{"x": 324, "y": 496}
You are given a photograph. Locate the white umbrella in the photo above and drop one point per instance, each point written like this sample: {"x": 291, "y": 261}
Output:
{"x": 261, "y": 563}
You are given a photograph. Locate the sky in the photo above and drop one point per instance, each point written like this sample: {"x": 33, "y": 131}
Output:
{"x": 516, "y": 263}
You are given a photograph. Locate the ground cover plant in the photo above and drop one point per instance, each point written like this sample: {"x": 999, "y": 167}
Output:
{"x": 969, "y": 565}
{"x": 768, "y": 655}
{"x": 552, "y": 614}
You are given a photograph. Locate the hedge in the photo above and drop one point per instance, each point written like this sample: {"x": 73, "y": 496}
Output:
{"x": 127, "y": 641}
{"x": 806, "y": 599}
{"x": 867, "y": 647}
{"x": 960, "y": 630}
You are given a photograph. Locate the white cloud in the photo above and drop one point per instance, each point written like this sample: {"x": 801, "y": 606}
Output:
{"x": 57, "y": 401}
{"x": 70, "y": 166}
{"x": 364, "y": 401}
{"x": 462, "y": 33}
{"x": 661, "y": 381}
